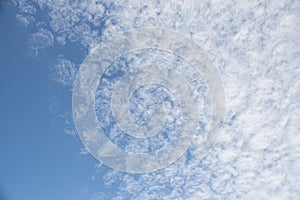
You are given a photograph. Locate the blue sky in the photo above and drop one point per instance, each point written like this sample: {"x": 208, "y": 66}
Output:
{"x": 38, "y": 159}
{"x": 253, "y": 44}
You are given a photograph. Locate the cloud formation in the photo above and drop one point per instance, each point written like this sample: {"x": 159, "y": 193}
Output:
{"x": 255, "y": 46}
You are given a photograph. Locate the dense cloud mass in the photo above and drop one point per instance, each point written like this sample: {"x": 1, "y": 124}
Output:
{"x": 255, "y": 46}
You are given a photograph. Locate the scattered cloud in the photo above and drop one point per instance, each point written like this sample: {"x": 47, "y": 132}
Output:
{"x": 64, "y": 71}
{"x": 255, "y": 46}
{"x": 41, "y": 39}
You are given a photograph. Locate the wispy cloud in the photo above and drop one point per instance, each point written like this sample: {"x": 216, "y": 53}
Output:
{"x": 64, "y": 71}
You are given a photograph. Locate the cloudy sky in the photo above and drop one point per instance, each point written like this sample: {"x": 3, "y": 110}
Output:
{"x": 253, "y": 45}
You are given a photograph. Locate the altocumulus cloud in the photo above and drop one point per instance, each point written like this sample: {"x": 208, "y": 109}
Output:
{"x": 64, "y": 71}
{"x": 254, "y": 44}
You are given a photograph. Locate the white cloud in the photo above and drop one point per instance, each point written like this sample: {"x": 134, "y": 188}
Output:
{"x": 64, "y": 71}
{"x": 251, "y": 157}
{"x": 254, "y": 44}
{"x": 41, "y": 39}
